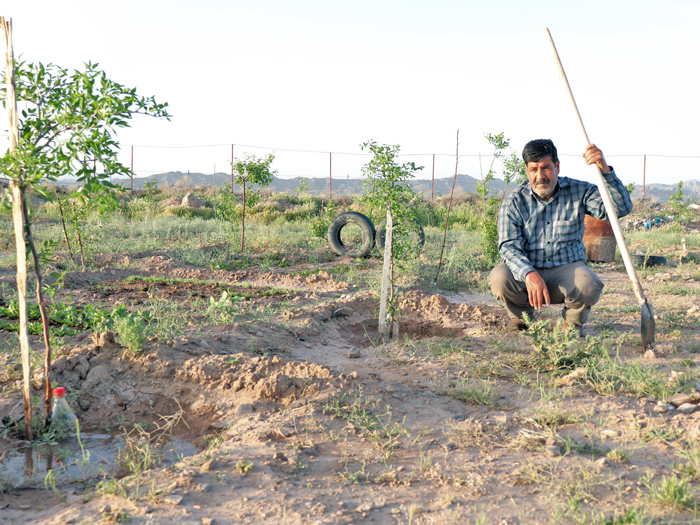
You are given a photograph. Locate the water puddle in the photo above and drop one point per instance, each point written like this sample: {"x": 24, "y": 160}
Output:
{"x": 71, "y": 463}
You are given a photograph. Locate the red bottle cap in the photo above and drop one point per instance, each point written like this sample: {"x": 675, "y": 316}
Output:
{"x": 58, "y": 392}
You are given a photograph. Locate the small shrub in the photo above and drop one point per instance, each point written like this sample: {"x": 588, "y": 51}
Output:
{"x": 131, "y": 331}
{"x": 691, "y": 453}
{"x": 268, "y": 216}
{"x": 187, "y": 212}
{"x": 139, "y": 209}
{"x": 618, "y": 454}
{"x": 672, "y": 491}
{"x": 244, "y": 466}
{"x": 320, "y": 223}
{"x": 489, "y": 243}
{"x": 560, "y": 349}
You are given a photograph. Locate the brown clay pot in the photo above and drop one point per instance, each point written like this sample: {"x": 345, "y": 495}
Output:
{"x": 599, "y": 240}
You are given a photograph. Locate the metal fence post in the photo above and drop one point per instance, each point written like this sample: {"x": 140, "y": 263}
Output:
{"x": 330, "y": 176}
{"x": 432, "y": 195}
{"x": 644, "y": 179}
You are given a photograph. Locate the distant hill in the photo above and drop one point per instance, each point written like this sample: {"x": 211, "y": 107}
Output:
{"x": 662, "y": 192}
{"x": 319, "y": 186}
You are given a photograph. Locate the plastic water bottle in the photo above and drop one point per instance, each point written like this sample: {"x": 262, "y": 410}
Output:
{"x": 62, "y": 416}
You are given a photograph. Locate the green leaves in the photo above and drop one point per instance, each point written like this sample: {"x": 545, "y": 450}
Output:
{"x": 64, "y": 317}
{"x": 253, "y": 170}
{"x": 513, "y": 169}
{"x": 68, "y": 122}
{"x": 499, "y": 142}
{"x": 386, "y": 186}
{"x": 131, "y": 329}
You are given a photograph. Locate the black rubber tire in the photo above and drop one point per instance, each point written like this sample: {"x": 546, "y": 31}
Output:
{"x": 418, "y": 236}
{"x": 651, "y": 260}
{"x": 343, "y": 220}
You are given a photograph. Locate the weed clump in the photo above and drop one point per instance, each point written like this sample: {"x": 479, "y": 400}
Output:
{"x": 375, "y": 422}
{"x": 560, "y": 349}
{"x": 131, "y": 330}
{"x": 244, "y": 466}
{"x": 672, "y": 491}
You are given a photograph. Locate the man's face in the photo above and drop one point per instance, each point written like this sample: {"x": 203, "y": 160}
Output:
{"x": 543, "y": 177}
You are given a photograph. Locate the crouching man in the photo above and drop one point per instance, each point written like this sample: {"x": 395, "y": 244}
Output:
{"x": 540, "y": 232}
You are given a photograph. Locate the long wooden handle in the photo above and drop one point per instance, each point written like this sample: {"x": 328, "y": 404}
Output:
{"x": 604, "y": 193}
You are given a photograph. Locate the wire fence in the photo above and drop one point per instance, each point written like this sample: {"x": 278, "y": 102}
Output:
{"x": 341, "y": 167}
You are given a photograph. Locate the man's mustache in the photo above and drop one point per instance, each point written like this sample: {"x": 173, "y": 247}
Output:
{"x": 542, "y": 182}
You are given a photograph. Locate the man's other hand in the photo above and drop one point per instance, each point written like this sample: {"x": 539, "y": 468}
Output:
{"x": 537, "y": 292}
{"x": 594, "y": 155}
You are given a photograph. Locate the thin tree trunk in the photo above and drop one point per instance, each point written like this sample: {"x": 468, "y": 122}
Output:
{"x": 42, "y": 310}
{"x": 449, "y": 206}
{"x": 17, "y": 219}
{"x": 63, "y": 222}
{"x": 80, "y": 237}
{"x": 243, "y": 219}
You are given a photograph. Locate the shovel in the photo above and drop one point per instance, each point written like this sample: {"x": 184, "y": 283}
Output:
{"x": 648, "y": 330}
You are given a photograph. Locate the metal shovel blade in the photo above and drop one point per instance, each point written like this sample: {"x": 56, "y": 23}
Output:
{"x": 648, "y": 330}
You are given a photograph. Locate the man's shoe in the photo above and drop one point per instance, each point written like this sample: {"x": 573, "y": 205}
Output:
{"x": 578, "y": 328}
{"x": 517, "y": 325}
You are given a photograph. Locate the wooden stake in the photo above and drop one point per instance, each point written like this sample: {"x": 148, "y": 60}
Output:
{"x": 18, "y": 220}
{"x": 383, "y": 329}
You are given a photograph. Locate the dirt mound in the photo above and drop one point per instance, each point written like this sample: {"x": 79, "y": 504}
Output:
{"x": 175, "y": 200}
{"x": 109, "y": 382}
{"x": 437, "y": 308}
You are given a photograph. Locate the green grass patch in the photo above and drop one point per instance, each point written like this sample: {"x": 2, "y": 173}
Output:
{"x": 675, "y": 289}
{"x": 608, "y": 376}
{"x": 374, "y": 420}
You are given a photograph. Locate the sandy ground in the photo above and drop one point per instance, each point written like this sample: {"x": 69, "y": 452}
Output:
{"x": 313, "y": 419}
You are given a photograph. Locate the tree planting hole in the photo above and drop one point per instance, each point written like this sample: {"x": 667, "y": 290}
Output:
{"x": 367, "y": 334}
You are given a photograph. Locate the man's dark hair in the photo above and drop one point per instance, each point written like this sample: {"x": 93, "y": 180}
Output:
{"x": 536, "y": 150}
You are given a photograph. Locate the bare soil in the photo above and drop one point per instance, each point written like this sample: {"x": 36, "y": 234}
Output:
{"x": 384, "y": 437}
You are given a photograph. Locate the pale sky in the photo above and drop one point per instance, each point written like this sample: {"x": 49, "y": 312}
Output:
{"x": 326, "y": 76}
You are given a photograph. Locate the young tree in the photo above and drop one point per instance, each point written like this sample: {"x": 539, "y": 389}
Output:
{"x": 252, "y": 170}
{"x": 66, "y": 127}
{"x": 513, "y": 170}
{"x": 387, "y": 189}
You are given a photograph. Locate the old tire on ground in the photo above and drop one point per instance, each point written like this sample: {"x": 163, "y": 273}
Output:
{"x": 418, "y": 236}
{"x": 648, "y": 260}
{"x": 342, "y": 220}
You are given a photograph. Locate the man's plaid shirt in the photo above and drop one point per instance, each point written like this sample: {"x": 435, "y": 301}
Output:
{"x": 533, "y": 233}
